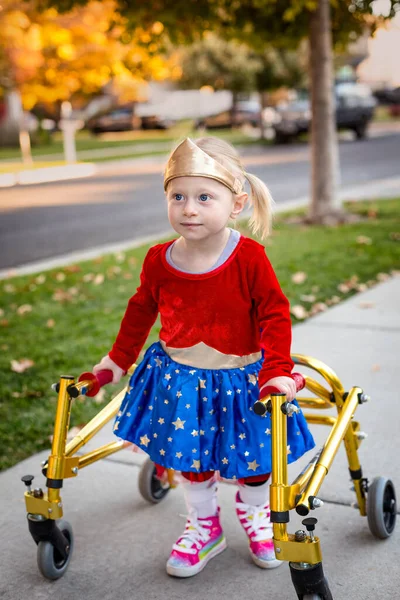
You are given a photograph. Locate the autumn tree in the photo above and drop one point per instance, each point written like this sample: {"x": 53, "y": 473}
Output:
{"x": 224, "y": 65}
{"x": 234, "y": 66}
{"x": 50, "y": 57}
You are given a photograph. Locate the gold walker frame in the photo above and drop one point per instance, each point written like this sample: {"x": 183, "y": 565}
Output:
{"x": 302, "y": 550}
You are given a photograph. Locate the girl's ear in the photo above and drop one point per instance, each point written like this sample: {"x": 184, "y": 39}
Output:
{"x": 239, "y": 204}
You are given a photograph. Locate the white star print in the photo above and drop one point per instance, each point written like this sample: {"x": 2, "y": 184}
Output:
{"x": 179, "y": 424}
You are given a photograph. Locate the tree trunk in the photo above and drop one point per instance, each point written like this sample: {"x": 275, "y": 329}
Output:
{"x": 325, "y": 204}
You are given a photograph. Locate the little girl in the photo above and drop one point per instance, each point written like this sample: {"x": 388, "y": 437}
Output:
{"x": 225, "y": 335}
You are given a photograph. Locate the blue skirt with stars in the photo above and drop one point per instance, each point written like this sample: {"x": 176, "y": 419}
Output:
{"x": 191, "y": 419}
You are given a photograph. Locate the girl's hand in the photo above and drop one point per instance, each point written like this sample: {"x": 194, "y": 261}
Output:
{"x": 107, "y": 363}
{"x": 285, "y": 385}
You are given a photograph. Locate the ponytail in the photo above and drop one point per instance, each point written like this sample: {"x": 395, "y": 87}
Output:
{"x": 261, "y": 201}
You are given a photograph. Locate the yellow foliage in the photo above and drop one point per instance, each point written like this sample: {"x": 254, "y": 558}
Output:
{"x": 50, "y": 57}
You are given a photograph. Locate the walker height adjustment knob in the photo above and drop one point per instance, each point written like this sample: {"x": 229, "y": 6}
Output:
{"x": 27, "y": 479}
{"x": 310, "y": 524}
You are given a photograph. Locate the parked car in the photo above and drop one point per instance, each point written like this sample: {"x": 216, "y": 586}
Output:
{"x": 125, "y": 119}
{"x": 247, "y": 113}
{"x": 355, "y": 106}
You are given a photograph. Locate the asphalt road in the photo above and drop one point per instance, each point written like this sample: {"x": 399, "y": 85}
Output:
{"x": 125, "y": 201}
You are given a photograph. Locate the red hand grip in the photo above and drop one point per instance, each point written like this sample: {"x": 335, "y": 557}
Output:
{"x": 101, "y": 378}
{"x": 298, "y": 379}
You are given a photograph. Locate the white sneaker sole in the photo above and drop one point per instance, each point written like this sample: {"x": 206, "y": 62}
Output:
{"x": 190, "y": 571}
{"x": 266, "y": 564}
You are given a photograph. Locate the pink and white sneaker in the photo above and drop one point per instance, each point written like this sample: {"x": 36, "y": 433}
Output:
{"x": 202, "y": 540}
{"x": 256, "y": 522}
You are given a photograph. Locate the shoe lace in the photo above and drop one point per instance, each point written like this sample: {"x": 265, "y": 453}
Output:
{"x": 256, "y": 521}
{"x": 196, "y": 533}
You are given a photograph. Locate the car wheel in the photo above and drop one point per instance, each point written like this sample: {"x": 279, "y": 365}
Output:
{"x": 361, "y": 131}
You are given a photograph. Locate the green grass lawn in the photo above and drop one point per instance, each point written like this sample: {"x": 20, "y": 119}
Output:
{"x": 87, "y": 141}
{"x": 65, "y": 320}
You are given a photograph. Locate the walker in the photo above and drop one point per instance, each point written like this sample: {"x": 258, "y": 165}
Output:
{"x": 376, "y": 499}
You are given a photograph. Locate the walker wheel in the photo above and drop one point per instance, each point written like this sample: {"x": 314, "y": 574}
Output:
{"x": 50, "y": 562}
{"x": 381, "y": 507}
{"x": 150, "y": 486}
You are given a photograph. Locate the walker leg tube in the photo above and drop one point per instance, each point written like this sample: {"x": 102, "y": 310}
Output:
{"x": 335, "y": 437}
{"x": 308, "y": 580}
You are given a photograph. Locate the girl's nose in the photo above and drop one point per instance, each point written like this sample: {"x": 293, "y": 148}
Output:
{"x": 189, "y": 208}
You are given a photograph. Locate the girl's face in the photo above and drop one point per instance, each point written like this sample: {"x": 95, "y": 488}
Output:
{"x": 200, "y": 207}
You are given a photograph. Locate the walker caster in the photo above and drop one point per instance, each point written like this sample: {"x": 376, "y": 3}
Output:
{"x": 150, "y": 486}
{"x": 381, "y": 507}
{"x": 51, "y": 562}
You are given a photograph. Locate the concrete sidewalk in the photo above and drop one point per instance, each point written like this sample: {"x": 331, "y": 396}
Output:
{"x": 122, "y": 543}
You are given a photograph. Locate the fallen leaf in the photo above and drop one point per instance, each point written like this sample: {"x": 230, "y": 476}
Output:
{"x": 88, "y": 277}
{"x": 395, "y": 236}
{"x": 9, "y": 288}
{"x": 307, "y": 298}
{"x": 299, "y": 277}
{"x": 50, "y": 323}
{"x": 364, "y": 240}
{"x": 23, "y": 309}
{"x": 299, "y": 311}
{"x": 127, "y": 275}
{"x": 73, "y": 291}
{"x": 16, "y": 394}
{"x": 73, "y": 269}
{"x": 315, "y": 289}
{"x": 99, "y": 279}
{"x": 361, "y": 287}
{"x": 318, "y": 307}
{"x": 60, "y": 276}
{"x": 120, "y": 257}
{"x": 382, "y": 277}
{"x": 133, "y": 261}
{"x": 1, "y": 312}
{"x": 61, "y": 295}
{"x": 19, "y": 366}
{"x": 367, "y": 305}
{"x": 4, "y": 322}
{"x": 394, "y": 273}
{"x": 344, "y": 288}
{"x": 40, "y": 279}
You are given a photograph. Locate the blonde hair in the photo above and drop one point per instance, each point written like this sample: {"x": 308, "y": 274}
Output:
{"x": 260, "y": 198}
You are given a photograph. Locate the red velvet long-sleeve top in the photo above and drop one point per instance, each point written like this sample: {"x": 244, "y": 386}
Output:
{"x": 237, "y": 308}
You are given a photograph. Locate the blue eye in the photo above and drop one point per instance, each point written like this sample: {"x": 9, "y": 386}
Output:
{"x": 204, "y": 197}
{"x": 178, "y": 196}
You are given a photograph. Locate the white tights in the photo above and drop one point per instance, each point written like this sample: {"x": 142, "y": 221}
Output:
{"x": 202, "y": 496}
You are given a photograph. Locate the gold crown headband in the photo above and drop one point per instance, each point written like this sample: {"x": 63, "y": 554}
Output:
{"x": 188, "y": 160}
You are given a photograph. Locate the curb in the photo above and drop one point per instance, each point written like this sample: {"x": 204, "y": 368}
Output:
{"x": 48, "y": 174}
